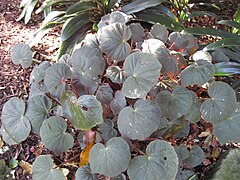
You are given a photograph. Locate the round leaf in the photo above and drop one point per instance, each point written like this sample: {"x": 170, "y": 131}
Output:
{"x": 143, "y": 71}
{"x": 227, "y": 130}
{"x": 107, "y": 130}
{"x": 160, "y": 32}
{"x": 38, "y": 72}
{"x": 175, "y": 104}
{"x": 84, "y": 173}
{"x": 199, "y": 73}
{"x": 137, "y": 32}
{"x": 6, "y": 138}
{"x": 14, "y": 122}
{"x": 196, "y": 157}
{"x": 104, "y": 94}
{"x": 87, "y": 63}
{"x": 22, "y": 54}
{"x": 161, "y": 161}
{"x": 118, "y": 103}
{"x": 43, "y": 169}
{"x": 38, "y": 109}
{"x": 54, "y": 136}
{"x": 221, "y": 104}
{"x": 112, "y": 159}
{"x": 84, "y": 112}
{"x": 141, "y": 121}
{"x": 56, "y": 76}
{"x": 116, "y": 74}
{"x": 113, "y": 41}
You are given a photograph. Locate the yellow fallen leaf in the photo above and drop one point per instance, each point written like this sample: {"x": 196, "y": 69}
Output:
{"x": 84, "y": 156}
{"x": 26, "y": 166}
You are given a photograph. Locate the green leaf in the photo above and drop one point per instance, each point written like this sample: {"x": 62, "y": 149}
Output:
{"x": 221, "y": 104}
{"x": 161, "y": 161}
{"x": 200, "y": 13}
{"x": 84, "y": 173}
{"x": 112, "y": 4}
{"x": 160, "y": 32}
{"x": 219, "y": 56}
{"x": 137, "y": 32}
{"x": 175, "y": 104}
{"x": 227, "y": 68}
{"x": 112, "y": 159}
{"x": 81, "y": 6}
{"x": 143, "y": 71}
{"x": 185, "y": 174}
{"x": 56, "y": 77}
{"x": 84, "y": 112}
{"x": 22, "y": 54}
{"x": 115, "y": 74}
{"x": 107, "y": 130}
{"x": 230, "y": 23}
{"x": 87, "y": 64}
{"x": 196, "y": 157}
{"x": 38, "y": 109}
{"x": 6, "y": 138}
{"x": 38, "y": 72}
{"x": 141, "y": 121}
{"x": 113, "y": 41}
{"x": 14, "y": 122}
{"x": 4, "y": 171}
{"x": 210, "y": 31}
{"x": 227, "y": 130}
{"x": 74, "y": 24}
{"x": 227, "y": 42}
{"x": 54, "y": 136}
{"x": 43, "y": 168}
{"x": 198, "y": 73}
{"x": 139, "y": 5}
{"x": 154, "y": 17}
{"x": 182, "y": 153}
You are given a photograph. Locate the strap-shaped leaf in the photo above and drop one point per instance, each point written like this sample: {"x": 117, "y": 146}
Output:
{"x": 22, "y": 54}
{"x": 227, "y": 42}
{"x": 112, "y": 159}
{"x": 113, "y": 41}
{"x": 84, "y": 112}
{"x": 81, "y": 7}
{"x": 56, "y": 76}
{"x": 199, "y": 73}
{"x": 221, "y": 104}
{"x": 161, "y": 161}
{"x": 141, "y": 121}
{"x": 14, "y": 122}
{"x": 139, "y": 5}
{"x": 38, "y": 108}
{"x": 38, "y": 72}
{"x": 143, "y": 71}
{"x": 76, "y": 23}
{"x": 54, "y": 136}
{"x": 175, "y": 104}
{"x": 43, "y": 169}
{"x": 87, "y": 63}
{"x": 227, "y": 130}
{"x": 84, "y": 173}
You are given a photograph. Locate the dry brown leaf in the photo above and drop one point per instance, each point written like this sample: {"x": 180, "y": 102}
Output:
{"x": 1, "y": 143}
{"x": 26, "y": 166}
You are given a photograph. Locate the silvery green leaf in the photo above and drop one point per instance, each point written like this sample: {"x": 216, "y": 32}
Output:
{"x": 14, "y": 121}
{"x": 143, "y": 71}
{"x": 91, "y": 41}
{"x": 111, "y": 159}
{"x": 118, "y": 102}
{"x": 175, "y": 104}
{"x": 185, "y": 174}
{"x": 196, "y": 156}
{"x": 137, "y": 32}
{"x": 198, "y": 72}
{"x": 6, "y": 138}
{"x": 221, "y": 104}
{"x": 84, "y": 173}
{"x": 54, "y": 136}
{"x": 107, "y": 130}
{"x": 66, "y": 59}
{"x": 37, "y": 89}
{"x": 87, "y": 63}
{"x": 161, "y": 161}
{"x": 104, "y": 94}
{"x": 115, "y": 74}
{"x": 113, "y": 41}
{"x": 160, "y": 32}
{"x": 43, "y": 168}
{"x": 38, "y": 72}
{"x": 140, "y": 121}
{"x": 219, "y": 56}
{"x": 182, "y": 152}
{"x": 22, "y": 54}
{"x": 202, "y": 55}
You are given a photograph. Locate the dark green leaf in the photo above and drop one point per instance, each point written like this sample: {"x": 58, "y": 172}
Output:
{"x": 81, "y": 6}
{"x": 230, "y": 23}
{"x": 227, "y": 42}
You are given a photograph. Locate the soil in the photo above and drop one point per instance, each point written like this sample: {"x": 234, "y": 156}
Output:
{"x": 14, "y": 80}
